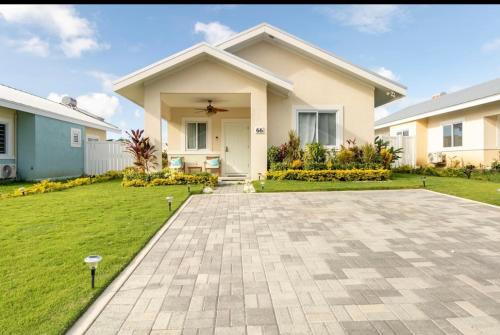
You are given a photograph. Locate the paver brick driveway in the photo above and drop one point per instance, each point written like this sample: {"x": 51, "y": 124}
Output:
{"x": 364, "y": 262}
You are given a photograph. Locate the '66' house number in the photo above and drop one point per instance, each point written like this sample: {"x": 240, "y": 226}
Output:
{"x": 260, "y": 130}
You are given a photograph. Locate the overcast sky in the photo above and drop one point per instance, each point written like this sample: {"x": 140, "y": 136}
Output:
{"x": 61, "y": 50}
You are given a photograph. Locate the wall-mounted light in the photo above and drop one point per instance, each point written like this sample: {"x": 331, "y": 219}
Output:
{"x": 92, "y": 262}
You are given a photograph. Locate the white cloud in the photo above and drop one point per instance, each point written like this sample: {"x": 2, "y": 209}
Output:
{"x": 33, "y": 45}
{"x": 372, "y": 19}
{"x": 75, "y": 33}
{"x": 137, "y": 113}
{"x": 386, "y": 73}
{"x": 214, "y": 32}
{"x": 100, "y": 104}
{"x": 491, "y": 45}
{"x": 105, "y": 78}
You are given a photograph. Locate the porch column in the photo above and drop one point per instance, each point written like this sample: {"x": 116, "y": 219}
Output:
{"x": 258, "y": 141}
{"x": 152, "y": 122}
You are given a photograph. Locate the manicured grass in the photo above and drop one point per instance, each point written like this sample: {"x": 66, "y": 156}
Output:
{"x": 12, "y": 186}
{"x": 44, "y": 283}
{"x": 480, "y": 190}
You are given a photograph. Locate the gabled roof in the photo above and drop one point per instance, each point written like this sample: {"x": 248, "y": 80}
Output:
{"x": 202, "y": 49}
{"x": 19, "y": 100}
{"x": 386, "y": 90}
{"x": 466, "y": 98}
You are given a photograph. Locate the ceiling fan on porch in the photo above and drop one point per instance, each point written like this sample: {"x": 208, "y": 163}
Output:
{"x": 211, "y": 109}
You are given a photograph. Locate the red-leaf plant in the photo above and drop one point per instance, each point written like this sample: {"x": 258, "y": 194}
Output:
{"x": 142, "y": 150}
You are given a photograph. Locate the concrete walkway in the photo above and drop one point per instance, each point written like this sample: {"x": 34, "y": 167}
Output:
{"x": 364, "y": 262}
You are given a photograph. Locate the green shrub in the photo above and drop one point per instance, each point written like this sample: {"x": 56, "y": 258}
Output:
{"x": 278, "y": 166}
{"x": 273, "y": 155}
{"x": 330, "y": 175}
{"x": 314, "y": 153}
{"x": 314, "y": 166}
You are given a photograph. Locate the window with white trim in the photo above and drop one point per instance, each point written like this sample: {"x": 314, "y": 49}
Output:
{"x": 318, "y": 126}
{"x": 3, "y": 138}
{"x": 196, "y": 135}
{"x": 404, "y": 132}
{"x": 452, "y": 135}
{"x": 76, "y": 137}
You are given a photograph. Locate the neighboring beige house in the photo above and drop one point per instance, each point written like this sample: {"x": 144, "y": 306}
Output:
{"x": 270, "y": 82}
{"x": 463, "y": 125}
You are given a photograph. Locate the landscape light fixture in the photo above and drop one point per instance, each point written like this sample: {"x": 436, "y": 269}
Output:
{"x": 189, "y": 189}
{"x": 423, "y": 180}
{"x": 260, "y": 175}
{"x": 92, "y": 262}
{"x": 169, "y": 200}
{"x": 262, "y": 185}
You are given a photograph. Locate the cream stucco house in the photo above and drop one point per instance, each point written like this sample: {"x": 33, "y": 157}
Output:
{"x": 463, "y": 125}
{"x": 270, "y": 82}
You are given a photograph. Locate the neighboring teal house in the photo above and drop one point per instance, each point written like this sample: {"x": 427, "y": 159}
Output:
{"x": 40, "y": 138}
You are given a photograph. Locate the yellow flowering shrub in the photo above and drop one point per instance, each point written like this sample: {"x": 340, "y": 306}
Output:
{"x": 330, "y": 175}
{"x": 173, "y": 178}
{"x": 45, "y": 186}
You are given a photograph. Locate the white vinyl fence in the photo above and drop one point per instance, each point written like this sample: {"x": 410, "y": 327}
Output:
{"x": 101, "y": 157}
{"x": 408, "y": 156}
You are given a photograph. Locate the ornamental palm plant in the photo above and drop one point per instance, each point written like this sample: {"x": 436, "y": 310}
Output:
{"x": 142, "y": 150}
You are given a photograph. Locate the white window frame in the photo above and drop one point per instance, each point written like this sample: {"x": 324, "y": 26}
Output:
{"x": 402, "y": 132}
{"x": 452, "y": 123}
{"x": 339, "y": 120}
{"x": 78, "y": 132}
{"x": 9, "y": 138}
{"x": 206, "y": 120}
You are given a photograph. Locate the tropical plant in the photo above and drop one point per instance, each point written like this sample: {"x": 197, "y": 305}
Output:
{"x": 468, "y": 169}
{"x": 315, "y": 153}
{"x": 293, "y": 150}
{"x": 297, "y": 164}
{"x": 141, "y": 149}
{"x": 368, "y": 153}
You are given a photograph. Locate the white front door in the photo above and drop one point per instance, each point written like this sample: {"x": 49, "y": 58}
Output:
{"x": 236, "y": 147}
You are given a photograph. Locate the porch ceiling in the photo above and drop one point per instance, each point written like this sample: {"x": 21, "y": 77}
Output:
{"x": 200, "y": 100}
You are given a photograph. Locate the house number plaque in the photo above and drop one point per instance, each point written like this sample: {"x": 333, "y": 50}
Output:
{"x": 260, "y": 130}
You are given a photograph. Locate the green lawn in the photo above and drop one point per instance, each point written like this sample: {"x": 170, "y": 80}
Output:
{"x": 44, "y": 283}
{"x": 480, "y": 190}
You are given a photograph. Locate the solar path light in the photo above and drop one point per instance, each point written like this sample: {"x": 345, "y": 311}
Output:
{"x": 92, "y": 262}
{"x": 169, "y": 201}
{"x": 424, "y": 178}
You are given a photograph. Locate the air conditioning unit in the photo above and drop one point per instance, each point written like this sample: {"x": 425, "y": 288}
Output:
{"x": 7, "y": 171}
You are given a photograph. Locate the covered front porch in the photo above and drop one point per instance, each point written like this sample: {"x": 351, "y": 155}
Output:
{"x": 197, "y": 136}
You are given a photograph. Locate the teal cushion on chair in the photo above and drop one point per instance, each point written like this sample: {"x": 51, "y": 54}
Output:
{"x": 176, "y": 163}
{"x": 213, "y": 163}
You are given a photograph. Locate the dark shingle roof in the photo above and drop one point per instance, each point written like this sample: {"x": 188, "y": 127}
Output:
{"x": 472, "y": 93}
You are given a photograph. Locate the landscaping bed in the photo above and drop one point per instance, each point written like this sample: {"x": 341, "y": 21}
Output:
{"x": 45, "y": 285}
